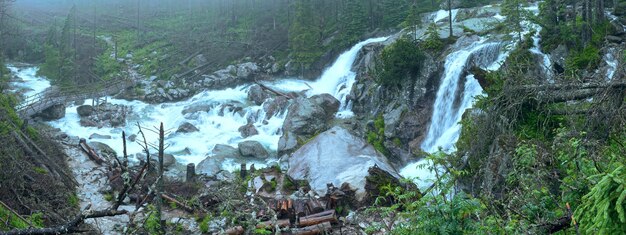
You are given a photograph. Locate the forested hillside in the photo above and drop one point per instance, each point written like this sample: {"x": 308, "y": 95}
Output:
{"x": 313, "y": 116}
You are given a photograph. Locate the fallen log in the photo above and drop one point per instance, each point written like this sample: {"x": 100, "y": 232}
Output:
{"x": 189, "y": 58}
{"x": 312, "y": 230}
{"x": 68, "y": 227}
{"x": 178, "y": 203}
{"x": 90, "y": 152}
{"x": 315, "y": 206}
{"x": 264, "y": 87}
{"x": 283, "y": 223}
{"x": 326, "y": 216}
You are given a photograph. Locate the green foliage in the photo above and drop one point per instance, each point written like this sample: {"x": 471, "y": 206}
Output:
{"x": 587, "y": 58}
{"x": 40, "y": 170}
{"x": 400, "y": 60}
{"x": 514, "y": 16}
{"x": 438, "y": 211}
{"x": 303, "y": 39}
{"x": 108, "y": 197}
{"x": 204, "y": 224}
{"x": 262, "y": 231}
{"x": 153, "y": 223}
{"x": 603, "y": 209}
{"x": 354, "y": 20}
{"x": 13, "y": 221}
{"x": 73, "y": 200}
{"x": 107, "y": 67}
{"x": 377, "y": 136}
{"x": 432, "y": 42}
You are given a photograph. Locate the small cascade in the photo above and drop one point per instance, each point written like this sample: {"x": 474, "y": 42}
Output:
{"x": 611, "y": 62}
{"x": 338, "y": 79}
{"x": 450, "y": 103}
{"x": 30, "y": 84}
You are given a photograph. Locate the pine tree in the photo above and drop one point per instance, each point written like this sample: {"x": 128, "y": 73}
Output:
{"x": 412, "y": 19}
{"x": 355, "y": 20}
{"x": 303, "y": 38}
{"x": 394, "y": 12}
{"x": 514, "y": 16}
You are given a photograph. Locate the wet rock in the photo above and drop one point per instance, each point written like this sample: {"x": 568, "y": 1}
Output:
{"x": 275, "y": 106}
{"x": 168, "y": 160}
{"x": 287, "y": 143}
{"x": 54, "y": 112}
{"x": 254, "y": 149}
{"x": 209, "y": 166}
{"x": 200, "y": 107}
{"x": 132, "y": 137}
{"x": 257, "y": 95}
{"x": 186, "y": 128}
{"x": 346, "y": 162}
{"x": 88, "y": 122}
{"x": 85, "y": 110}
{"x": 248, "y": 130}
{"x": 103, "y": 150}
{"x": 99, "y": 136}
{"x": 246, "y": 69}
{"x": 308, "y": 116}
{"x": 225, "y": 151}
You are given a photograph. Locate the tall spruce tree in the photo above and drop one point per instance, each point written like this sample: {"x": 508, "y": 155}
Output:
{"x": 355, "y": 20}
{"x": 303, "y": 38}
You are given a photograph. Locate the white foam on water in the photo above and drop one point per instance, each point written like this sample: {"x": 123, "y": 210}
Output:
{"x": 30, "y": 82}
{"x": 230, "y": 110}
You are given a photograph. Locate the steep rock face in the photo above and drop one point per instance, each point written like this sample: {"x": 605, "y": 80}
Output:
{"x": 54, "y": 112}
{"x": 346, "y": 161}
{"x": 406, "y": 110}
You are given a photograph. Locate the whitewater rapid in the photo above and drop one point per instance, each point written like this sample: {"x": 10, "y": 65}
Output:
{"x": 230, "y": 109}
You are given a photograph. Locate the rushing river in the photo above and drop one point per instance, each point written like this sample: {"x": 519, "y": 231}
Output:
{"x": 217, "y": 126}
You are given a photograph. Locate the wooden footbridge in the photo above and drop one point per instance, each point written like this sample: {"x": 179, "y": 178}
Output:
{"x": 35, "y": 104}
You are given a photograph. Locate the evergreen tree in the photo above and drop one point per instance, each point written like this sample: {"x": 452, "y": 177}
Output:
{"x": 412, "y": 19}
{"x": 394, "y": 12}
{"x": 355, "y": 20}
{"x": 514, "y": 16}
{"x": 303, "y": 38}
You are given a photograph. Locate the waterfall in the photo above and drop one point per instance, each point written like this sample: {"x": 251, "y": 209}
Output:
{"x": 451, "y": 103}
{"x": 338, "y": 79}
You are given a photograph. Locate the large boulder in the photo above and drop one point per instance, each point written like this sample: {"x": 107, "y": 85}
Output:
{"x": 257, "y": 95}
{"x": 310, "y": 115}
{"x": 246, "y": 69}
{"x": 187, "y": 128}
{"x": 85, "y": 110}
{"x": 338, "y": 157}
{"x": 103, "y": 150}
{"x": 248, "y": 130}
{"x": 52, "y": 113}
{"x": 306, "y": 117}
{"x": 212, "y": 165}
{"x": 225, "y": 151}
{"x": 250, "y": 148}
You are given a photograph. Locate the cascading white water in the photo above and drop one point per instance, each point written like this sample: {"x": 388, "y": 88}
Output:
{"x": 30, "y": 83}
{"x": 444, "y": 128}
{"x": 336, "y": 80}
{"x": 219, "y": 124}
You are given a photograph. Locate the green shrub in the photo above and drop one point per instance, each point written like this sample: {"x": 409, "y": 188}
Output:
{"x": 584, "y": 59}
{"x": 377, "y": 137}
{"x": 400, "y": 60}
{"x": 432, "y": 42}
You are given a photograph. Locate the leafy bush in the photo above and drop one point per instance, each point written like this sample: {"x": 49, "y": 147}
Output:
{"x": 603, "y": 209}
{"x": 377, "y": 137}
{"x": 400, "y": 60}
{"x": 586, "y": 58}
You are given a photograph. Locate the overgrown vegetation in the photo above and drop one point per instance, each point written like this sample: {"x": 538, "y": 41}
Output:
{"x": 376, "y": 137}
{"x": 401, "y": 60}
